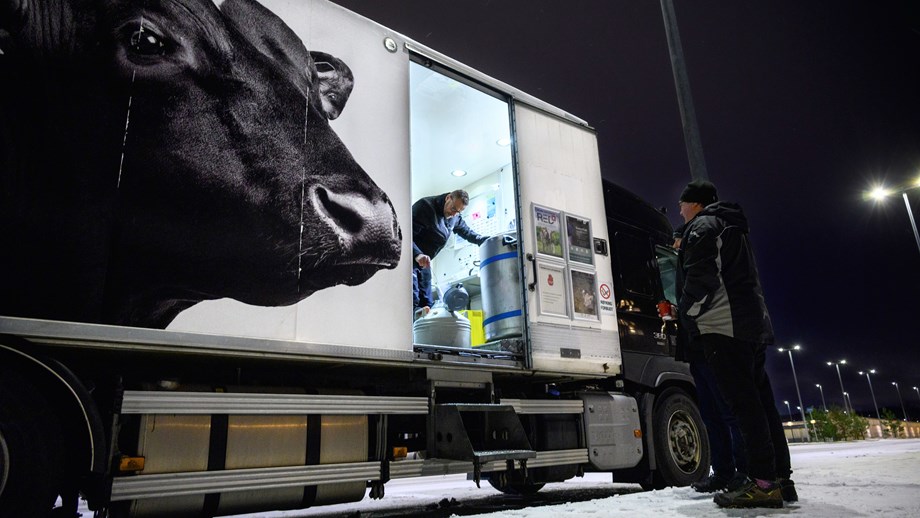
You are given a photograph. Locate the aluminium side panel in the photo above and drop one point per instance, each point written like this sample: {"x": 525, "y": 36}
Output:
{"x": 572, "y": 317}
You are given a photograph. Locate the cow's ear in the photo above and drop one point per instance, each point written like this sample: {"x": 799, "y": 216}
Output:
{"x": 335, "y": 82}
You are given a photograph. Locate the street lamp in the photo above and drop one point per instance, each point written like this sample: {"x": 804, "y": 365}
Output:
{"x": 896, "y": 387}
{"x": 839, "y": 377}
{"x": 872, "y": 371}
{"x": 880, "y": 193}
{"x": 823, "y": 403}
{"x": 917, "y": 391}
{"x": 788, "y": 410}
{"x": 796, "y": 380}
{"x": 849, "y": 402}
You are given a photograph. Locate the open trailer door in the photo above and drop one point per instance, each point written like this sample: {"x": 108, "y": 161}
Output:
{"x": 571, "y": 314}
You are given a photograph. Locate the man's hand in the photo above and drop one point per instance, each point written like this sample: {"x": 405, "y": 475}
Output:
{"x": 423, "y": 260}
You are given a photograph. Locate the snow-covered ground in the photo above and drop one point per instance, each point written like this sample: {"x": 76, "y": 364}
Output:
{"x": 864, "y": 478}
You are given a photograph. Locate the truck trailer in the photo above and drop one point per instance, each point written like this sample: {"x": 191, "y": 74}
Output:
{"x": 206, "y": 300}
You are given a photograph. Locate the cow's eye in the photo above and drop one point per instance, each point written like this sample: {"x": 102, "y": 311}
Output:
{"x": 147, "y": 43}
{"x": 332, "y": 96}
{"x": 144, "y": 42}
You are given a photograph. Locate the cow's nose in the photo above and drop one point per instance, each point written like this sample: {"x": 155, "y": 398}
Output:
{"x": 366, "y": 228}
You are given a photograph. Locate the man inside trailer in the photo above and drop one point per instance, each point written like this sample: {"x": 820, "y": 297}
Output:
{"x": 434, "y": 219}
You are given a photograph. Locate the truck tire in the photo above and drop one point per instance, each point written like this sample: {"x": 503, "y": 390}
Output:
{"x": 513, "y": 484}
{"x": 31, "y": 452}
{"x": 681, "y": 443}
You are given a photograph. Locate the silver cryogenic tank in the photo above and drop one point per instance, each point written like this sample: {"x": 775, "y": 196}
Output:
{"x": 500, "y": 278}
{"x": 443, "y": 325}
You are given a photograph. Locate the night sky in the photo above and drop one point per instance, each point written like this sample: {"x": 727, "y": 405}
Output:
{"x": 802, "y": 106}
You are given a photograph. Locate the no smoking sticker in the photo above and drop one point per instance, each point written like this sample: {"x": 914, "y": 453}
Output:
{"x": 605, "y": 291}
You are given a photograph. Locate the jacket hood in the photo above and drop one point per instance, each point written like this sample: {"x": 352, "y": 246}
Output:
{"x": 730, "y": 212}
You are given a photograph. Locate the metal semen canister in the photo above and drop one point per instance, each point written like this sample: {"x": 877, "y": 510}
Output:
{"x": 500, "y": 279}
{"x": 443, "y": 325}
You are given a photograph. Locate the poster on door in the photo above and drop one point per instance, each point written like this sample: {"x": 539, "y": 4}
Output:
{"x": 584, "y": 299}
{"x": 578, "y": 239}
{"x": 552, "y": 290}
{"x": 548, "y": 226}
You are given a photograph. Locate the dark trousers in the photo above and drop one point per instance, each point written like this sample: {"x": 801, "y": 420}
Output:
{"x": 738, "y": 366}
{"x": 726, "y": 443}
{"x": 421, "y": 287}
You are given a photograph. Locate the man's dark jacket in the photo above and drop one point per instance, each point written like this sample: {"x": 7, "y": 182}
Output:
{"x": 721, "y": 287}
{"x": 430, "y": 229}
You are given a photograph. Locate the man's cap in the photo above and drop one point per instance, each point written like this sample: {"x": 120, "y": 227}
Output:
{"x": 699, "y": 191}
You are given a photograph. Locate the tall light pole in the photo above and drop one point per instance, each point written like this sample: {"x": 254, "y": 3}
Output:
{"x": 788, "y": 409}
{"x": 823, "y": 403}
{"x": 839, "y": 377}
{"x": 849, "y": 402}
{"x": 796, "y": 380}
{"x": 896, "y": 387}
{"x": 684, "y": 97}
{"x": 917, "y": 391}
{"x": 880, "y": 193}
{"x": 872, "y": 371}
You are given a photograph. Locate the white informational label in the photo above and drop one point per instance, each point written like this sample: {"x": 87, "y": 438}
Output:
{"x": 605, "y": 297}
{"x": 551, "y": 286}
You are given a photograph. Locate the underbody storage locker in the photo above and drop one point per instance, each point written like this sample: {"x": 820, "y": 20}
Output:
{"x": 612, "y": 431}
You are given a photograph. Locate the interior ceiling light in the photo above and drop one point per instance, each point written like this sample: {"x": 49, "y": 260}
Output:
{"x": 458, "y": 172}
{"x": 504, "y": 141}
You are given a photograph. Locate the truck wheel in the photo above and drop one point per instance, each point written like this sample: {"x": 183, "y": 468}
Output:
{"x": 514, "y": 485}
{"x": 31, "y": 453}
{"x": 681, "y": 444}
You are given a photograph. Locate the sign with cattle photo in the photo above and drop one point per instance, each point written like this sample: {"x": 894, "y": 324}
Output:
{"x": 231, "y": 167}
{"x": 548, "y": 225}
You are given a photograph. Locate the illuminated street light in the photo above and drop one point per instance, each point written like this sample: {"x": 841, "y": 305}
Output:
{"x": 839, "y": 377}
{"x": 917, "y": 391}
{"x": 896, "y": 387}
{"x": 796, "y": 380}
{"x": 849, "y": 402}
{"x": 788, "y": 409}
{"x": 872, "y": 371}
{"x": 823, "y": 403}
{"x": 879, "y": 193}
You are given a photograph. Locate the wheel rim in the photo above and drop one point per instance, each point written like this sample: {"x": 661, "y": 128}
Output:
{"x": 684, "y": 441}
{"x": 4, "y": 462}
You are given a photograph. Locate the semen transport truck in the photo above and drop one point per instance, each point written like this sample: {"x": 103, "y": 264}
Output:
{"x": 206, "y": 278}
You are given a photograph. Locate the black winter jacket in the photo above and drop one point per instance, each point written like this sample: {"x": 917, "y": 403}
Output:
{"x": 431, "y": 230}
{"x": 721, "y": 287}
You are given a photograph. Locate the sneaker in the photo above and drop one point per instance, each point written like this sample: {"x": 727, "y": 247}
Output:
{"x": 710, "y": 484}
{"x": 751, "y": 495}
{"x": 736, "y": 482}
{"x": 787, "y": 489}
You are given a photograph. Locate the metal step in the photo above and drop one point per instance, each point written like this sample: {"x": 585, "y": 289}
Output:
{"x": 480, "y": 433}
{"x": 545, "y": 406}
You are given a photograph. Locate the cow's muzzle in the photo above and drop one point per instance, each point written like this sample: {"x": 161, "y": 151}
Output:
{"x": 366, "y": 230}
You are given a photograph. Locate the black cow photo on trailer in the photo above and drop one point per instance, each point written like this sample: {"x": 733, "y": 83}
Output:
{"x": 158, "y": 154}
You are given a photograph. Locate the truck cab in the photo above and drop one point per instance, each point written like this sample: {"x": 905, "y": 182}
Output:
{"x": 644, "y": 263}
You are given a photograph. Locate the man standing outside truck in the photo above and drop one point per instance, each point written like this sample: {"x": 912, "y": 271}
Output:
{"x": 722, "y": 308}
{"x": 726, "y": 444}
{"x": 434, "y": 219}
